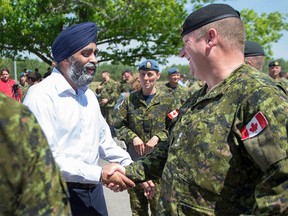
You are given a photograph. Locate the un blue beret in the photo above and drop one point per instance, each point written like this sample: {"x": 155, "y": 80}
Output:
{"x": 22, "y": 74}
{"x": 173, "y": 70}
{"x": 72, "y": 39}
{"x": 149, "y": 64}
{"x": 253, "y": 49}
{"x": 206, "y": 15}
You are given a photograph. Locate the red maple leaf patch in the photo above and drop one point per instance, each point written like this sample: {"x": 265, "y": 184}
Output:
{"x": 254, "y": 127}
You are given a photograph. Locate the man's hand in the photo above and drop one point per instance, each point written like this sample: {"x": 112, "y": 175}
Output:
{"x": 151, "y": 143}
{"x": 113, "y": 177}
{"x": 149, "y": 189}
{"x": 103, "y": 101}
{"x": 139, "y": 145}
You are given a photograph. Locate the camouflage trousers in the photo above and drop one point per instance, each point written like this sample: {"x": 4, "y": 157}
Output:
{"x": 140, "y": 204}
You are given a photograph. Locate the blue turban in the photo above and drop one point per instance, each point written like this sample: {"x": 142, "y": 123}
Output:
{"x": 72, "y": 39}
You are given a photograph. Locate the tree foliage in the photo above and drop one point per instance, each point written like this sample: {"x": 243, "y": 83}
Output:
{"x": 129, "y": 30}
{"x": 264, "y": 28}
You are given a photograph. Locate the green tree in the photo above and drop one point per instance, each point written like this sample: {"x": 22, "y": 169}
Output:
{"x": 264, "y": 28}
{"x": 128, "y": 29}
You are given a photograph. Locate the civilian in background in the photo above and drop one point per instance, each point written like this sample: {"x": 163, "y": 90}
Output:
{"x": 9, "y": 86}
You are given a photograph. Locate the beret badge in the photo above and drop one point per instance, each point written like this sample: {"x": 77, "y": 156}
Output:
{"x": 148, "y": 65}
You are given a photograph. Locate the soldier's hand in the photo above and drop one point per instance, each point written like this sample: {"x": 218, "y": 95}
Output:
{"x": 149, "y": 189}
{"x": 103, "y": 101}
{"x": 151, "y": 143}
{"x": 139, "y": 145}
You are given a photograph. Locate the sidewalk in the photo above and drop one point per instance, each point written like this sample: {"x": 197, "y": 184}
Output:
{"x": 118, "y": 204}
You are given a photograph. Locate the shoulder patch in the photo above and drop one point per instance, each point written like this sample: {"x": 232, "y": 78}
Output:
{"x": 255, "y": 126}
{"x": 173, "y": 114}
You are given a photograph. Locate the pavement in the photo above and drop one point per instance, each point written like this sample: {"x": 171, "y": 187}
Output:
{"x": 118, "y": 204}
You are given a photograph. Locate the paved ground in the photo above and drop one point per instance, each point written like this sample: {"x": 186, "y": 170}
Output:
{"x": 117, "y": 203}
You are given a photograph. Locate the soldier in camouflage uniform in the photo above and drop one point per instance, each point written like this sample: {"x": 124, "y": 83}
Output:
{"x": 254, "y": 55}
{"x": 31, "y": 183}
{"x": 109, "y": 93}
{"x": 179, "y": 92}
{"x": 125, "y": 83}
{"x": 227, "y": 150}
{"x": 274, "y": 71}
{"x": 195, "y": 85}
{"x": 142, "y": 122}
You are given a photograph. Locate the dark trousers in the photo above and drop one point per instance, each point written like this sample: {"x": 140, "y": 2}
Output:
{"x": 88, "y": 202}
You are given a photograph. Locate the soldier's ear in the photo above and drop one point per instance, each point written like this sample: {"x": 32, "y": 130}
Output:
{"x": 158, "y": 75}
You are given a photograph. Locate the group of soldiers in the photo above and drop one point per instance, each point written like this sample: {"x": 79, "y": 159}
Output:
{"x": 111, "y": 92}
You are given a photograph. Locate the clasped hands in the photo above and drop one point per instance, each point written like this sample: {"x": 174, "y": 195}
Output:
{"x": 114, "y": 178}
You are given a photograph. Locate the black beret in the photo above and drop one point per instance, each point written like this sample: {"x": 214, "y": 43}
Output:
{"x": 253, "y": 49}
{"x": 72, "y": 39}
{"x": 274, "y": 63}
{"x": 206, "y": 15}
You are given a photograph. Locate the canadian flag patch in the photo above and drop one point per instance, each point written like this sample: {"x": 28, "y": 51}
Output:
{"x": 173, "y": 114}
{"x": 255, "y": 126}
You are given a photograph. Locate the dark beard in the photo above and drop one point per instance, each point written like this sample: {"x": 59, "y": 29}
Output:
{"x": 78, "y": 73}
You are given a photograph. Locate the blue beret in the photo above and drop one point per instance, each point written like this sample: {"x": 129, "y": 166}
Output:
{"x": 173, "y": 70}
{"x": 274, "y": 63}
{"x": 149, "y": 64}
{"x": 253, "y": 49}
{"x": 22, "y": 74}
{"x": 72, "y": 39}
{"x": 206, "y": 15}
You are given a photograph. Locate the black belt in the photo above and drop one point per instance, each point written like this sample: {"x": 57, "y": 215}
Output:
{"x": 80, "y": 186}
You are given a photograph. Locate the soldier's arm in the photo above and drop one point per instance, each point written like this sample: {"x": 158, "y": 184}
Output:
{"x": 268, "y": 148}
{"x": 123, "y": 130}
{"x": 150, "y": 166}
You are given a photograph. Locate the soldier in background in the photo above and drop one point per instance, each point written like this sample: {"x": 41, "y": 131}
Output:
{"x": 172, "y": 87}
{"x": 31, "y": 183}
{"x": 125, "y": 83}
{"x": 227, "y": 150}
{"x": 254, "y": 55}
{"x": 274, "y": 72}
{"x": 108, "y": 95}
{"x": 23, "y": 84}
{"x": 141, "y": 123}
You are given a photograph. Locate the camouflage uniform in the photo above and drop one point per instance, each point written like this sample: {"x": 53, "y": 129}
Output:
{"x": 109, "y": 90}
{"x": 135, "y": 118}
{"x": 31, "y": 183}
{"x": 208, "y": 167}
{"x": 284, "y": 83}
{"x": 195, "y": 85}
{"x": 125, "y": 86}
{"x": 180, "y": 93}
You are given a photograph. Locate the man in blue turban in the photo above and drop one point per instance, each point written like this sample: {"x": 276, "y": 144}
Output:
{"x": 70, "y": 117}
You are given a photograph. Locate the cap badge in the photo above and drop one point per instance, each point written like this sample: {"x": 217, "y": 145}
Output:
{"x": 276, "y": 63}
{"x": 148, "y": 65}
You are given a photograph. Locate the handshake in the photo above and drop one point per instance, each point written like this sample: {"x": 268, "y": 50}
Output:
{"x": 114, "y": 178}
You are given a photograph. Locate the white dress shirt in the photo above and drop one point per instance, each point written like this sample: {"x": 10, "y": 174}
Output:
{"x": 74, "y": 127}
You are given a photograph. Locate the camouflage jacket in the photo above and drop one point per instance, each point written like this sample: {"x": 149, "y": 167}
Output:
{"x": 110, "y": 90}
{"x": 212, "y": 167}
{"x": 30, "y": 182}
{"x": 180, "y": 93}
{"x": 125, "y": 86}
{"x": 135, "y": 118}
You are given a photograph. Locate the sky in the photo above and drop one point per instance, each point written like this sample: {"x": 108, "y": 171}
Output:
{"x": 280, "y": 49}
